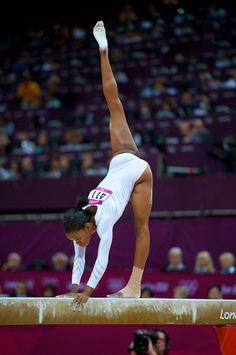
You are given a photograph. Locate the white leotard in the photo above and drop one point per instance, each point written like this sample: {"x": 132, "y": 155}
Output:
{"x": 111, "y": 197}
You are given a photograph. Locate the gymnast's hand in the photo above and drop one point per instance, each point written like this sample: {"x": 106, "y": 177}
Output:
{"x": 83, "y": 297}
{"x": 80, "y": 298}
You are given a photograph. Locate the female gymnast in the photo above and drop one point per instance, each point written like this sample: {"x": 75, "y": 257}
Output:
{"x": 128, "y": 178}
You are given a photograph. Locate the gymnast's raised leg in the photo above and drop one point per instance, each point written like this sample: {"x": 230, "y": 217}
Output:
{"x": 122, "y": 141}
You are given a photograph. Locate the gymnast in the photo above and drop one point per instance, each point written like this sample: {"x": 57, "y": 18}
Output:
{"x": 128, "y": 178}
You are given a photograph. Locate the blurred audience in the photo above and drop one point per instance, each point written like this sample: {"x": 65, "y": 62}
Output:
{"x": 29, "y": 92}
{"x": 21, "y": 290}
{"x": 214, "y": 292}
{"x": 227, "y": 263}
{"x": 204, "y": 263}
{"x": 146, "y": 292}
{"x": 152, "y": 342}
{"x": 60, "y": 262}
{"x": 13, "y": 262}
{"x": 180, "y": 292}
{"x": 49, "y": 290}
{"x": 175, "y": 261}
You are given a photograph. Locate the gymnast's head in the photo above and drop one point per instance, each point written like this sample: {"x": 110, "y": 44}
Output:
{"x": 79, "y": 223}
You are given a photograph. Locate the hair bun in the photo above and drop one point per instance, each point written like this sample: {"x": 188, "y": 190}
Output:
{"x": 81, "y": 202}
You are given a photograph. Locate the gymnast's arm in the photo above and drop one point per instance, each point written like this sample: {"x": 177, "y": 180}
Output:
{"x": 100, "y": 264}
{"x": 78, "y": 266}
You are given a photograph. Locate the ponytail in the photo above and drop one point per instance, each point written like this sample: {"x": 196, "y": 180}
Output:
{"x": 82, "y": 202}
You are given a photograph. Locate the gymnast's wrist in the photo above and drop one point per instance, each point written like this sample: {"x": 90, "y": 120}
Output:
{"x": 74, "y": 288}
{"x": 88, "y": 290}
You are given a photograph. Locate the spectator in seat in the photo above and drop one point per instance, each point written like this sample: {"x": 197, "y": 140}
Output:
{"x": 60, "y": 262}
{"x": 21, "y": 290}
{"x": 200, "y": 133}
{"x": 4, "y": 143}
{"x": 49, "y": 290}
{"x": 227, "y": 263}
{"x": 27, "y": 168}
{"x": 166, "y": 111}
{"x": 175, "y": 261}
{"x": 146, "y": 292}
{"x": 29, "y": 92}
{"x": 204, "y": 263}
{"x": 214, "y": 292}
{"x": 187, "y": 104}
{"x": 13, "y": 262}
{"x": 185, "y": 132}
{"x": 180, "y": 292}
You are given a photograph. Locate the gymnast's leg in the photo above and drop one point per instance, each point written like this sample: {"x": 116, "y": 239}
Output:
{"x": 121, "y": 137}
{"x": 122, "y": 141}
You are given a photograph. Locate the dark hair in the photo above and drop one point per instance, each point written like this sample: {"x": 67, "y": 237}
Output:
{"x": 214, "y": 286}
{"x": 148, "y": 289}
{"x": 167, "y": 338}
{"x": 51, "y": 287}
{"x": 75, "y": 218}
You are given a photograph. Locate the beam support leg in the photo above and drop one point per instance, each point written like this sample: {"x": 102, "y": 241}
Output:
{"x": 227, "y": 339}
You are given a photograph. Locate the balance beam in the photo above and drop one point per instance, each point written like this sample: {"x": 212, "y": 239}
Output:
{"x": 117, "y": 311}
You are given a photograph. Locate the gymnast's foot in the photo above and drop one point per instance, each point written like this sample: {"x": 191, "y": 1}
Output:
{"x": 126, "y": 292}
{"x": 99, "y": 33}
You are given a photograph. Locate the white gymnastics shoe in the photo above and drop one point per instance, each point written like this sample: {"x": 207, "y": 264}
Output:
{"x": 99, "y": 33}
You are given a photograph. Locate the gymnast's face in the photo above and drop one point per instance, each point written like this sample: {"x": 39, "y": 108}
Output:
{"x": 82, "y": 237}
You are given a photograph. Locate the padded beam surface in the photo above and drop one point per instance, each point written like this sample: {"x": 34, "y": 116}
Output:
{"x": 117, "y": 311}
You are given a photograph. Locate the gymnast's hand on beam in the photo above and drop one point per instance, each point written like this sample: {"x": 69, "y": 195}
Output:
{"x": 83, "y": 297}
{"x": 80, "y": 298}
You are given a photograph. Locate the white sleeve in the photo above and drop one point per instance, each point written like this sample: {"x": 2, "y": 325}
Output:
{"x": 79, "y": 262}
{"x": 102, "y": 257}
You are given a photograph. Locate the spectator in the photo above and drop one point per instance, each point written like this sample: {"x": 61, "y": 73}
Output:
{"x": 54, "y": 169}
{"x": 146, "y": 292}
{"x": 4, "y": 143}
{"x": 14, "y": 169}
{"x": 4, "y": 173}
{"x": 175, "y": 261}
{"x": 24, "y": 144}
{"x": 162, "y": 345}
{"x": 27, "y": 168}
{"x": 180, "y": 292}
{"x": 200, "y": 133}
{"x": 214, "y": 292}
{"x": 55, "y": 94}
{"x": 187, "y": 104}
{"x": 42, "y": 143}
{"x": 227, "y": 263}
{"x": 21, "y": 290}
{"x": 145, "y": 110}
{"x": 166, "y": 111}
{"x": 60, "y": 262}
{"x": 204, "y": 263}
{"x": 49, "y": 290}
{"x": 29, "y": 92}
{"x": 185, "y": 132}
{"x": 13, "y": 262}
{"x": 153, "y": 342}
